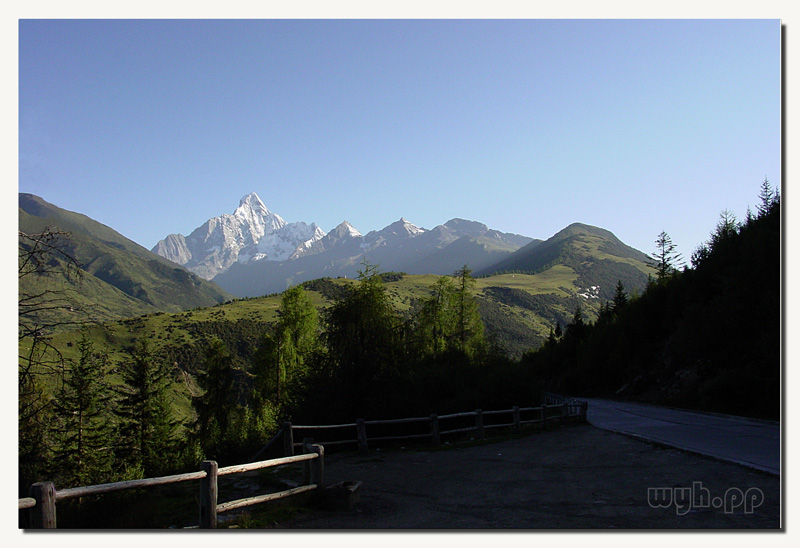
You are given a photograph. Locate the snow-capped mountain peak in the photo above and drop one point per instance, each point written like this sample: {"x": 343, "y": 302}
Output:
{"x": 401, "y": 229}
{"x": 349, "y": 229}
{"x": 254, "y": 216}
{"x": 409, "y": 227}
{"x": 252, "y": 201}
{"x": 265, "y": 245}
{"x": 251, "y": 233}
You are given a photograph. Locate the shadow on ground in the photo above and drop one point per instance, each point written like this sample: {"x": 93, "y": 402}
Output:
{"x": 575, "y": 477}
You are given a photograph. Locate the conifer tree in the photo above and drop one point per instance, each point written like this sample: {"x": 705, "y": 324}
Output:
{"x": 35, "y": 415}
{"x": 83, "y": 431}
{"x": 364, "y": 341}
{"x": 727, "y": 226}
{"x": 284, "y": 352}
{"x": 620, "y": 297}
{"x": 215, "y": 407}
{"x": 436, "y": 321}
{"x": 577, "y": 325}
{"x": 551, "y": 338}
{"x": 147, "y": 429}
{"x": 767, "y": 197}
{"x": 363, "y": 326}
{"x": 469, "y": 326}
{"x": 700, "y": 254}
{"x": 665, "y": 260}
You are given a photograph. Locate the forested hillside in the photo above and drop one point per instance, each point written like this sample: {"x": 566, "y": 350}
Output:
{"x": 706, "y": 337}
{"x": 176, "y": 390}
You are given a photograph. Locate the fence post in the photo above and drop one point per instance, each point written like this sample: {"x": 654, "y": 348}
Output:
{"x": 517, "y": 425}
{"x": 208, "y": 495}
{"x": 565, "y": 412}
{"x": 479, "y": 423}
{"x": 584, "y": 406}
{"x": 435, "y": 430}
{"x": 544, "y": 416}
{"x": 43, "y": 515}
{"x": 319, "y": 469}
{"x": 307, "y": 448}
{"x": 288, "y": 440}
{"x": 362, "y": 435}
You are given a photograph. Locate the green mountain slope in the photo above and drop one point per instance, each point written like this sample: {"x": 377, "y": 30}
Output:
{"x": 119, "y": 277}
{"x": 598, "y": 258}
{"x": 518, "y": 311}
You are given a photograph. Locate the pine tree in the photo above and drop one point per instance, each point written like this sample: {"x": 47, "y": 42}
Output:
{"x": 577, "y": 325}
{"x": 767, "y": 196}
{"x": 665, "y": 260}
{"x": 35, "y": 416}
{"x": 285, "y": 351}
{"x": 700, "y": 254}
{"x": 83, "y": 431}
{"x": 551, "y": 338}
{"x": 620, "y": 297}
{"x": 363, "y": 326}
{"x": 364, "y": 342}
{"x": 469, "y": 326}
{"x": 727, "y": 226}
{"x": 436, "y": 320}
{"x": 559, "y": 333}
{"x": 147, "y": 430}
{"x": 216, "y": 406}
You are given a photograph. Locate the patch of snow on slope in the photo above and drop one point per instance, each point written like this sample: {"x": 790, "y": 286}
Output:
{"x": 592, "y": 292}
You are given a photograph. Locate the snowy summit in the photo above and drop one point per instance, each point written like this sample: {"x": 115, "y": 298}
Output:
{"x": 251, "y": 233}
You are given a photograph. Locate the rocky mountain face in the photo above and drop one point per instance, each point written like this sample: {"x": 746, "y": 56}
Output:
{"x": 251, "y": 233}
{"x": 254, "y": 251}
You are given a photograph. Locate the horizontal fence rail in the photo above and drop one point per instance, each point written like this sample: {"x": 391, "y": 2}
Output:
{"x": 555, "y": 408}
{"x": 356, "y": 433}
{"x": 42, "y": 502}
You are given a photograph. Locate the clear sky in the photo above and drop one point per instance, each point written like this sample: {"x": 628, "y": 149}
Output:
{"x": 152, "y": 127}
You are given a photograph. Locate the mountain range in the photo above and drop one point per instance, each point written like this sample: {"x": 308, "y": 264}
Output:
{"x": 525, "y": 285}
{"x": 254, "y": 251}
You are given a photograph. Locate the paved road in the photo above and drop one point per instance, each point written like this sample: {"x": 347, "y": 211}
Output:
{"x": 749, "y": 442}
{"x": 574, "y": 477}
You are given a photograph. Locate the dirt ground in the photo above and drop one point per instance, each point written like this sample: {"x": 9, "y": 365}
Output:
{"x": 575, "y": 477}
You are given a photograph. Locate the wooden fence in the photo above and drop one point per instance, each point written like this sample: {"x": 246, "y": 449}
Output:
{"x": 356, "y": 432}
{"x": 43, "y": 496}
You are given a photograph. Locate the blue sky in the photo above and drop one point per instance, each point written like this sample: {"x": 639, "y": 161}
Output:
{"x": 152, "y": 127}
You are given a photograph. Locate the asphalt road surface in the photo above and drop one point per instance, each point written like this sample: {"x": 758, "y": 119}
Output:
{"x": 749, "y": 442}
